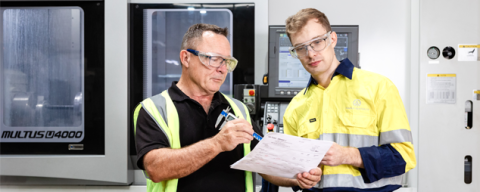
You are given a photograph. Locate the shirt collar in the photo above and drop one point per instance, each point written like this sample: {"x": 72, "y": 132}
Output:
{"x": 345, "y": 68}
{"x": 178, "y": 95}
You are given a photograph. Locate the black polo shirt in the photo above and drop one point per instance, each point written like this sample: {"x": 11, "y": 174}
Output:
{"x": 195, "y": 125}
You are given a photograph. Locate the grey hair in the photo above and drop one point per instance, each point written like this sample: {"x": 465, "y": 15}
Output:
{"x": 195, "y": 33}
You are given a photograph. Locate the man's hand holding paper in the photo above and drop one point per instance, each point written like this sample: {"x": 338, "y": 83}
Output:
{"x": 287, "y": 156}
{"x": 309, "y": 179}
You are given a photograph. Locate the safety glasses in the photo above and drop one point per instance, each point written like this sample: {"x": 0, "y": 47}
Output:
{"x": 317, "y": 44}
{"x": 215, "y": 60}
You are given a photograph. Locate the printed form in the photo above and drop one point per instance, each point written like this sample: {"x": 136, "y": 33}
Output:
{"x": 284, "y": 155}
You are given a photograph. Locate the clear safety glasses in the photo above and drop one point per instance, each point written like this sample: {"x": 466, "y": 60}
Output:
{"x": 318, "y": 44}
{"x": 215, "y": 60}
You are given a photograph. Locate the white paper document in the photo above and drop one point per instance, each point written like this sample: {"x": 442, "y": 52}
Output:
{"x": 284, "y": 155}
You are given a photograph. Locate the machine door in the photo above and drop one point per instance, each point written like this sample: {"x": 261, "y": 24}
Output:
{"x": 449, "y": 123}
{"x": 51, "y": 85}
{"x": 55, "y": 130}
{"x": 163, "y": 33}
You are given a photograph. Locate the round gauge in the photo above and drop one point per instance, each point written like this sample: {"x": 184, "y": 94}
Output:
{"x": 433, "y": 52}
{"x": 448, "y": 52}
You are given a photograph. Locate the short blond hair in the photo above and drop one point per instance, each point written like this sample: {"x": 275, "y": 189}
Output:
{"x": 296, "y": 22}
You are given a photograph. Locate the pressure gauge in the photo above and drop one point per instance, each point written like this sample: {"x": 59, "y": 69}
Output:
{"x": 433, "y": 52}
{"x": 448, "y": 52}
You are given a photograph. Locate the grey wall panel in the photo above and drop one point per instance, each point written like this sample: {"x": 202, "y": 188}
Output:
{"x": 444, "y": 141}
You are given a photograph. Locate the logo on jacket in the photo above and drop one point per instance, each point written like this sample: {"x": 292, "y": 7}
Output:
{"x": 313, "y": 120}
{"x": 357, "y": 102}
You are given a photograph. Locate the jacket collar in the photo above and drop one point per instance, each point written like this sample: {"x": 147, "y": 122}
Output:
{"x": 345, "y": 68}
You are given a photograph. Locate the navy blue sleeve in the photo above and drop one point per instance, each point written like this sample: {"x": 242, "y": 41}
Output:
{"x": 381, "y": 162}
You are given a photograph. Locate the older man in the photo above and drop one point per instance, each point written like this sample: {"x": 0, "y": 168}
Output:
{"x": 178, "y": 145}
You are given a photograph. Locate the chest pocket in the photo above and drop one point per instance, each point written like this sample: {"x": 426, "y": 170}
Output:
{"x": 357, "y": 120}
{"x": 310, "y": 128}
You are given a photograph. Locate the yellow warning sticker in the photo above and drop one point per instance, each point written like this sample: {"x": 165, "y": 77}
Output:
{"x": 441, "y": 75}
{"x": 476, "y": 92}
{"x": 468, "y": 46}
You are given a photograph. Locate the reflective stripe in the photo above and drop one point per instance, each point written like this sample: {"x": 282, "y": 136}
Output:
{"x": 350, "y": 140}
{"x": 146, "y": 174}
{"x": 166, "y": 105}
{"x": 243, "y": 113}
{"x": 346, "y": 180}
{"x": 236, "y": 106}
{"x": 396, "y": 136}
{"x": 240, "y": 106}
{"x": 156, "y": 121}
{"x": 135, "y": 116}
{"x": 174, "y": 124}
{"x": 160, "y": 103}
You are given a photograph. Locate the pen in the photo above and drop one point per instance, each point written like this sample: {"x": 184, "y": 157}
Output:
{"x": 229, "y": 117}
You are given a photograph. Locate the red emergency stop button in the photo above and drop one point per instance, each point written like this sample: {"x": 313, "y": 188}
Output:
{"x": 251, "y": 92}
{"x": 270, "y": 127}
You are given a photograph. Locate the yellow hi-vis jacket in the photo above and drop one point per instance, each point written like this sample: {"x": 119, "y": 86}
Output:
{"x": 160, "y": 107}
{"x": 361, "y": 112}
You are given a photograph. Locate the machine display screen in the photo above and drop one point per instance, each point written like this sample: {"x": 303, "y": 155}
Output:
{"x": 291, "y": 73}
{"x": 341, "y": 49}
{"x": 290, "y": 70}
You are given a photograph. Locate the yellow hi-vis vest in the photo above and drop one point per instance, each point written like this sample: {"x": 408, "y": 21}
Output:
{"x": 162, "y": 110}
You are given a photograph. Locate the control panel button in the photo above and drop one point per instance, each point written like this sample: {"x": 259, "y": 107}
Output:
{"x": 288, "y": 92}
{"x": 251, "y": 92}
{"x": 281, "y": 92}
{"x": 270, "y": 127}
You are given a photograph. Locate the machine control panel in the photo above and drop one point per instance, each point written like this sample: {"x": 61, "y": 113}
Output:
{"x": 287, "y": 92}
{"x": 249, "y": 100}
{"x": 273, "y": 117}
